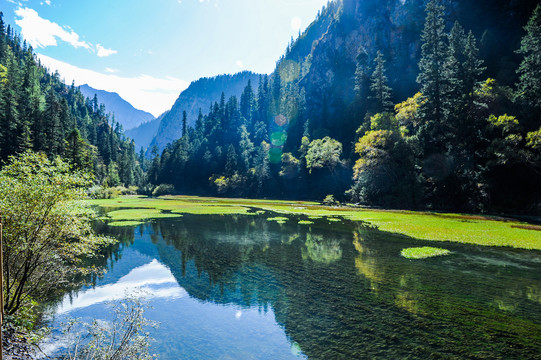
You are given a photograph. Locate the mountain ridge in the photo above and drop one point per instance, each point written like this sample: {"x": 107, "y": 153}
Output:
{"x": 199, "y": 95}
{"x": 125, "y": 113}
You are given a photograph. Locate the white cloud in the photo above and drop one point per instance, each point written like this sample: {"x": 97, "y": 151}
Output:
{"x": 145, "y": 92}
{"x": 296, "y": 23}
{"x": 48, "y": 2}
{"x": 153, "y": 279}
{"x": 111, "y": 70}
{"x": 239, "y": 64}
{"x": 40, "y": 32}
{"x": 103, "y": 52}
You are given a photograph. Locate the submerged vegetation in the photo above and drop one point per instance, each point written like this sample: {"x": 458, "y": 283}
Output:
{"x": 423, "y": 252}
{"x": 430, "y": 226}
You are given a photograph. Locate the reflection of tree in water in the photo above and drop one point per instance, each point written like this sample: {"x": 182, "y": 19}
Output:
{"x": 338, "y": 294}
{"x": 321, "y": 250}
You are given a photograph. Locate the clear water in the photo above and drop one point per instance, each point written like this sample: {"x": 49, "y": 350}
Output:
{"x": 242, "y": 287}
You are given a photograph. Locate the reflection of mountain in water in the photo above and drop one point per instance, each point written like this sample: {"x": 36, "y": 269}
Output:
{"x": 348, "y": 294}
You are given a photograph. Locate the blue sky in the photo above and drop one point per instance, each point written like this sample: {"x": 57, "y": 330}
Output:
{"x": 150, "y": 50}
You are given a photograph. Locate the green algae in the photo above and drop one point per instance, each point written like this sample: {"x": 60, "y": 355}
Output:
{"x": 423, "y": 252}
{"x": 125, "y": 223}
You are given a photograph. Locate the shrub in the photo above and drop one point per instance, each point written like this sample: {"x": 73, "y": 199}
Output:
{"x": 330, "y": 200}
{"x": 163, "y": 189}
{"x": 47, "y": 231}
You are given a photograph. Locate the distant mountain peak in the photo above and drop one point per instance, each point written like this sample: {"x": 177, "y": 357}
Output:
{"x": 200, "y": 95}
{"x": 125, "y": 113}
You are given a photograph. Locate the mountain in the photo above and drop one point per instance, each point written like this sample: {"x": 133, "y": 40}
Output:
{"x": 200, "y": 95}
{"x": 39, "y": 112}
{"x": 127, "y": 115}
{"x": 324, "y": 122}
{"x": 328, "y": 52}
{"x": 144, "y": 133}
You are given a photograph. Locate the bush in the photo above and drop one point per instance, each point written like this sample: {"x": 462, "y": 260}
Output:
{"x": 330, "y": 200}
{"x": 125, "y": 337}
{"x": 163, "y": 189}
{"x": 47, "y": 231}
{"x": 99, "y": 192}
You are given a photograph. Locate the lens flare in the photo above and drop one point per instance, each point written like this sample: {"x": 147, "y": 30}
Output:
{"x": 280, "y": 120}
{"x": 275, "y": 155}
{"x": 278, "y": 138}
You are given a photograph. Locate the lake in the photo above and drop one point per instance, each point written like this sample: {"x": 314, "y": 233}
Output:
{"x": 243, "y": 287}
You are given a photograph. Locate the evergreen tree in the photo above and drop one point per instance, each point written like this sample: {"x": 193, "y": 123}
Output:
{"x": 261, "y": 164}
{"x": 362, "y": 74}
{"x": 77, "y": 151}
{"x": 473, "y": 68}
{"x": 154, "y": 171}
{"x": 184, "y": 124}
{"x": 231, "y": 162}
{"x": 29, "y": 102}
{"x": 379, "y": 86}
{"x": 2, "y": 38}
{"x": 246, "y": 149}
{"x": 247, "y": 103}
{"x": 431, "y": 79}
{"x": 9, "y": 102}
{"x": 454, "y": 76}
{"x": 529, "y": 86}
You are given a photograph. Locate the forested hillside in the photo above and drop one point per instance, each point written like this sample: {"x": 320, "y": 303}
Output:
{"x": 402, "y": 104}
{"x": 39, "y": 112}
{"x": 123, "y": 112}
{"x": 143, "y": 134}
{"x": 197, "y": 98}
{"x": 405, "y": 104}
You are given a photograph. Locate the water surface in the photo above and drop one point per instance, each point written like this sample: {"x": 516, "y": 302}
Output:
{"x": 242, "y": 287}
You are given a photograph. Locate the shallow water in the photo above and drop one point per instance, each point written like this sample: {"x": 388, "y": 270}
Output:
{"x": 242, "y": 287}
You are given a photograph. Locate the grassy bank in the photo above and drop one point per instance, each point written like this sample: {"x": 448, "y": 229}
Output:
{"x": 469, "y": 229}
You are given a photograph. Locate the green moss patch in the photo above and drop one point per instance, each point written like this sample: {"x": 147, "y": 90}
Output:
{"x": 423, "y": 252}
{"x": 139, "y": 214}
{"x": 125, "y": 223}
{"x": 213, "y": 210}
{"x": 305, "y": 222}
{"x": 468, "y": 229}
{"x": 278, "y": 219}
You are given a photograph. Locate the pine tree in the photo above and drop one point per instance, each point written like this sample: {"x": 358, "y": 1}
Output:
{"x": 454, "y": 73}
{"x": 379, "y": 86}
{"x": 29, "y": 102}
{"x": 77, "y": 152}
{"x": 247, "y": 103}
{"x": 154, "y": 171}
{"x": 431, "y": 79}
{"x": 362, "y": 74}
{"x": 2, "y": 38}
{"x": 9, "y": 113}
{"x": 529, "y": 86}
{"x": 184, "y": 124}
{"x": 231, "y": 162}
{"x": 246, "y": 148}
{"x": 473, "y": 67}
{"x": 261, "y": 164}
